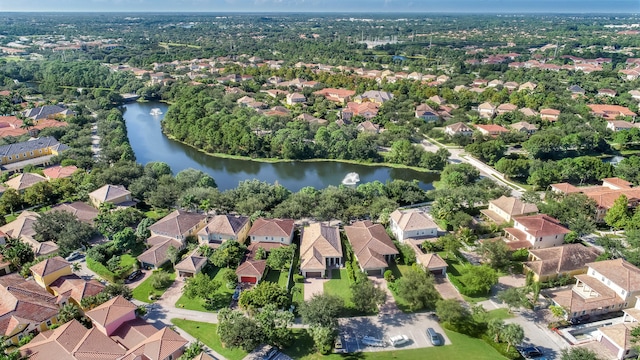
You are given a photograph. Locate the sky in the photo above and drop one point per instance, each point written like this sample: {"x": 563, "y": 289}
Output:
{"x": 365, "y": 6}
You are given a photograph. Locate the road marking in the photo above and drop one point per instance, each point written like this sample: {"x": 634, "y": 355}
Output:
{"x": 413, "y": 339}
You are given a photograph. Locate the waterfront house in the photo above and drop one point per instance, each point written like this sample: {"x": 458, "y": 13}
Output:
{"x": 504, "y": 209}
{"x": 224, "y": 227}
{"x": 272, "y": 231}
{"x": 407, "y": 224}
{"x": 535, "y": 232}
{"x": 114, "y": 194}
{"x": 320, "y": 249}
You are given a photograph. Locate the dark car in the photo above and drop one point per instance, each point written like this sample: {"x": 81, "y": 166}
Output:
{"x": 531, "y": 352}
{"x": 134, "y": 276}
{"x": 580, "y": 319}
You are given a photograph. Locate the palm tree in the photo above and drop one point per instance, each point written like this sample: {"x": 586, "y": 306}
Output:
{"x": 494, "y": 328}
{"x": 67, "y": 313}
{"x": 513, "y": 334}
{"x": 75, "y": 267}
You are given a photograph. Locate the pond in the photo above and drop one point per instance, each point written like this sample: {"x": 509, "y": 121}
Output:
{"x": 150, "y": 144}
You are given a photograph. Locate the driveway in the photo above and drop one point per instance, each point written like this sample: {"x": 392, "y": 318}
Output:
{"x": 389, "y": 307}
{"x": 414, "y": 326}
{"x": 537, "y": 334}
{"x": 313, "y": 286}
{"x": 446, "y": 289}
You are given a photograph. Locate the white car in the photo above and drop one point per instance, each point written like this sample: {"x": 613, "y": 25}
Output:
{"x": 398, "y": 340}
{"x": 371, "y": 341}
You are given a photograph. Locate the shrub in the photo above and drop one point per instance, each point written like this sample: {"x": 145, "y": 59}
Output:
{"x": 298, "y": 278}
{"x": 160, "y": 280}
{"x": 512, "y": 354}
{"x": 520, "y": 255}
{"x": 388, "y": 276}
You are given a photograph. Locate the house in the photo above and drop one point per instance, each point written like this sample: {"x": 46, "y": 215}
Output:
{"x": 191, "y": 264}
{"x": 251, "y": 271}
{"x": 495, "y": 83}
{"x": 295, "y": 98}
{"x": 320, "y": 249}
{"x": 12, "y": 126}
{"x": 311, "y": 119}
{"x": 371, "y": 245}
{"x": 438, "y": 99}
{"x": 486, "y": 110}
{"x": 608, "y": 286}
{"x": 369, "y": 127}
{"x": 25, "y": 307}
{"x": 620, "y": 125}
{"x": 505, "y": 108}
{"x": 524, "y": 127}
{"x": 49, "y": 270}
{"x": 607, "y": 92}
{"x": 576, "y": 90}
{"x": 412, "y": 224}
{"x": 23, "y": 181}
{"x": 375, "y": 96}
{"x": 528, "y": 86}
{"x": 426, "y": 113}
{"x": 272, "y": 231}
{"x": 44, "y": 147}
{"x": 59, "y": 172}
{"x": 535, "y": 232}
{"x": 367, "y": 110}
{"x": 510, "y": 85}
{"x": 80, "y": 210}
{"x": 635, "y": 94}
{"x": 458, "y": 128}
{"x": 72, "y": 288}
{"x": 431, "y": 262}
{"x": 5, "y": 266}
{"x": 224, "y": 227}
{"x": 114, "y": 194}
{"x": 566, "y": 260}
{"x": 491, "y": 129}
{"x": 170, "y": 231}
{"x": 528, "y": 112}
{"x": 117, "y": 333}
{"x": 22, "y": 228}
{"x": 48, "y": 112}
{"x": 549, "y": 114}
{"x": 611, "y": 112}
{"x": 341, "y": 96}
{"x": 504, "y": 209}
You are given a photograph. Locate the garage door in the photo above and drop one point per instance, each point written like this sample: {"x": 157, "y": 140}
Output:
{"x": 3, "y": 271}
{"x": 248, "y": 279}
{"x": 314, "y": 274}
{"x": 377, "y": 272}
{"x": 437, "y": 272}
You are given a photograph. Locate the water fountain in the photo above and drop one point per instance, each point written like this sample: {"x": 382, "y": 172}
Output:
{"x": 156, "y": 112}
{"x": 352, "y": 178}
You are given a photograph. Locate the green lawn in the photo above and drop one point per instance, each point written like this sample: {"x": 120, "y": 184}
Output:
{"x": 208, "y": 334}
{"x": 454, "y": 271}
{"x": 278, "y": 276}
{"x": 156, "y": 214}
{"x": 398, "y": 271}
{"x": 142, "y": 291}
{"x": 103, "y": 272}
{"x": 339, "y": 285}
{"x": 501, "y": 314}
{"x": 463, "y": 348}
{"x": 222, "y": 298}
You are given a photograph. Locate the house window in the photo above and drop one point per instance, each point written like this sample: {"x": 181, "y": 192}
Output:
{"x": 40, "y": 151}
{"x": 9, "y": 157}
{"x": 25, "y": 154}
{"x": 281, "y": 239}
{"x": 32, "y": 153}
{"x": 48, "y": 323}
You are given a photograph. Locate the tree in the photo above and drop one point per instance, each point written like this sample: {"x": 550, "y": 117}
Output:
{"x": 416, "y": 286}
{"x": 238, "y": 331}
{"x": 280, "y": 258}
{"x": 323, "y": 338}
{"x": 557, "y": 311}
{"x": 160, "y": 280}
{"x": 229, "y": 254}
{"x": 513, "y": 334}
{"x": 10, "y": 201}
{"x": 494, "y": 329}
{"x": 201, "y": 285}
{"x": 479, "y": 279}
{"x": 113, "y": 290}
{"x": 578, "y": 353}
{"x": 276, "y": 325}
{"x": 366, "y": 297}
{"x": 64, "y": 229}
{"x": 618, "y": 215}
{"x": 173, "y": 254}
{"x": 453, "y": 312}
{"x": 496, "y": 253}
{"x": 194, "y": 349}
{"x": 513, "y": 297}
{"x": 230, "y": 278}
{"x": 68, "y": 312}
{"x": 321, "y": 310}
{"x": 17, "y": 252}
{"x": 262, "y": 294}
{"x": 457, "y": 175}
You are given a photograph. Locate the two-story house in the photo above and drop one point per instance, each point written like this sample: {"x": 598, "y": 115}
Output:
{"x": 412, "y": 224}
{"x": 170, "y": 231}
{"x": 608, "y": 286}
{"x": 320, "y": 249}
{"x": 535, "y": 232}
{"x": 504, "y": 208}
{"x": 22, "y": 228}
{"x": 30, "y": 149}
{"x": 224, "y": 227}
{"x": 566, "y": 260}
{"x": 114, "y": 194}
{"x": 426, "y": 113}
{"x": 371, "y": 245}
{"x": 272, "y": 230}
{"x": 486, "y": 110}
{"x": 491, "y": 130}
{"x": 458, "y": 128}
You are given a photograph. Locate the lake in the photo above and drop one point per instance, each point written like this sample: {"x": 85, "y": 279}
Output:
{"x": 150, "y": 144}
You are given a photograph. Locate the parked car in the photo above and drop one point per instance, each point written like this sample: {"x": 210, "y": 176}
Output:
{"x": 531, "y": 352}
{"x": 74, "y": 256}
{"x": 398, "y": 340}
{"x": 434, "y": 337}
{"x": 338, "y": 347}
{"x": 134, "y": 275}
{"x": 580, "y": 319}
{"x": 236, "y": 294}
{"x": 371, "y": 341}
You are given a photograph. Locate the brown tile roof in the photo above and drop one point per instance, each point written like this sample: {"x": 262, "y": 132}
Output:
{"x": 618, "y": 182}
{"x": 57, "y": 172}
{"x": 191, "y": 263}
{"x": 158, "y": 346}
{"x": 72, "y": 341}
{"x": 177, "y": 224}
{"x": 272, "y": 227}
{"x": 24, "y": 181}
{"x": 23, "y": 301}
{"x": 22, "y": 227}
{"x": 541, "y": 225}
{"x": 133, "y": 332}
{"x": 459, "y": 127}
{"x": 605, "y": 197}
{"x": 318, "y": 243}
{"x": 76, "y": 287}
{"x": 610, "y": 111}
{"x": 565, "y": 188}
{"x": 370, "y": 243}
{"x": 514, "y": 206}
{"x": 620, "y": 334}
{"x": 203, "y": 356}
{"x": 523, "y": 125}
{"x": 574, "y": 302}
{"x": 428, "y": 260}
{"x": 49, "y": 266}
{"x": 412, "y": 220}
{"x": 157, "y": 253}
{"x": 111, "y": 311}
{"x": 109, "y": 192}
{"x": 228, "y": 225}
{"x": 252, "y": 267}
{"x": 492, "y": 128}
{"x": 561, "y": 259}
{"x": 84, "y": 212}
{"x": 620, "y": 272}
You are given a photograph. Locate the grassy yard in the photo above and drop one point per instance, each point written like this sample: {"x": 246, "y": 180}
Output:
{"x": 279, "y": 277}
{"x": 156, "y": 214}
{"x": 398, "y": 271}
{"x": 222, "y": 298}
{"x": 339, "y": 285}
{"x": 463, "y": 348}
{"x": 208, "y": 334}
{"x": 103, "y": 272}
{"x": 501, "y": 314}
{"x": 142, "y": 291}
{"x": 455, "y": 271}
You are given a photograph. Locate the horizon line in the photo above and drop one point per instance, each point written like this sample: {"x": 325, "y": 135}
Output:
{"x": 318, "y": 12}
